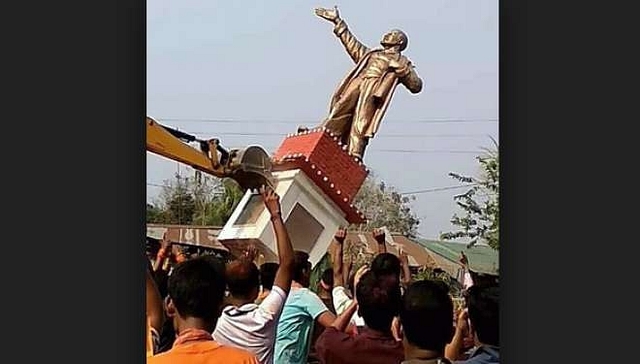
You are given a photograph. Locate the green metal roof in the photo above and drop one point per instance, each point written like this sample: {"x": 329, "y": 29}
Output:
{"x": 482, "y": 258}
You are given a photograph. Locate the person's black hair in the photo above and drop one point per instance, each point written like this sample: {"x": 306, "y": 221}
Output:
{"x": 386, "y": 264}
{"x": 268, "y": 274}
{"x": 243, "y": 278}
{"x": 196, "y": 287}
{"x": 426, "y": 315}
{"x": 217, "y": 263}
{"x": 484, "y": 313}
{"x": 327, "y": 277}
{"x": 301, "y": 265}
{"x": 378, "y": 302}
{"x": 161, "y": 277}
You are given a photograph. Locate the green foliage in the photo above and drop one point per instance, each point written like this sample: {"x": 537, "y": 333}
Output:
{"x": 154, "y": 214}
{"x": 216, "y": 201}
{"x": 316, "y": 273}
{"x": 481, "y": 219}
{"x": 179, "y": 202}
{"x": 384, "y": 206}
{"x": 198, "y": 200}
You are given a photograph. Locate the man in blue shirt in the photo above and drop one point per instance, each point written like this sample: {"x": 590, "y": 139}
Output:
{"x": 302, "y": 310}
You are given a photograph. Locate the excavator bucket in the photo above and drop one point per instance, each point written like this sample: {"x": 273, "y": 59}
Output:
{"x": 251, "y": 167}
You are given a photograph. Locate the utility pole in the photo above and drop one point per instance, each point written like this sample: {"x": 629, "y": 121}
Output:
{"x": 198, "y": 178}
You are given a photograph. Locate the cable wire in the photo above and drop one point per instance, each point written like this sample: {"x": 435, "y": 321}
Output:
{"x": 301, "y": 122}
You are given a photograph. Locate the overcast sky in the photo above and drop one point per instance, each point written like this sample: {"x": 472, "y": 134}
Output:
{"x": 271, "y": 66}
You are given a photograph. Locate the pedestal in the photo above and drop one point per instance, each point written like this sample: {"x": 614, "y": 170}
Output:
{"x": 316, "y": 180}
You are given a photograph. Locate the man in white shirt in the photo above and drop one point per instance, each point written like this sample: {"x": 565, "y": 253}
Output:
{"x": 243, "y": 323}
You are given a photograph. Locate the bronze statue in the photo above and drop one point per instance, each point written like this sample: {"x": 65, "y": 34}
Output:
{"x": 362, "y": 98}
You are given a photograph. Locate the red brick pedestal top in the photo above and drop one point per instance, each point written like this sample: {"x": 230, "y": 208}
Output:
{"x": 324, "y": 159}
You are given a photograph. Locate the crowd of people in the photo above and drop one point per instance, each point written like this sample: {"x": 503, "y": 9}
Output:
{"x": 201, "y": 310}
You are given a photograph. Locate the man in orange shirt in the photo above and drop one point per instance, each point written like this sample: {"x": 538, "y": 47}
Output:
{"x": 196, "y": 291}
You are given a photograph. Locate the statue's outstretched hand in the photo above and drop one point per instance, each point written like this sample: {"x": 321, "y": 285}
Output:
{"x": 331, "y": 15}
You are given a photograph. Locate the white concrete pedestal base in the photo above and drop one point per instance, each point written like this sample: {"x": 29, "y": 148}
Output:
{"x": 311, "y": 218}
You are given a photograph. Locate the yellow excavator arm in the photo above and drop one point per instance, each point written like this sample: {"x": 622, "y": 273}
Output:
{"x": 249, "y": 167}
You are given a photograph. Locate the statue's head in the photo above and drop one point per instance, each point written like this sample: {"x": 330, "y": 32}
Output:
{"x": 395, "y": 38}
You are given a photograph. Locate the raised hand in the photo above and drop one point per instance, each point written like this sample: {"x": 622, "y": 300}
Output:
{"x": 404, "y": 258}
{"x": 165, "y": 243}
{"x": 359, "y": 273}
{"x": 463, "y": 260}
{"x": 251, "y": 253}
{"x": 378, "y": 234}
{"x": 462, "y": 321}
{"x": 340, "y": 235}
{"x": 271, "y": 200}
{"x": 331, "y": 15}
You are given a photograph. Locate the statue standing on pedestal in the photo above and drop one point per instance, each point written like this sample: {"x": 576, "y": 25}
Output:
{"x": 362, "y": 98}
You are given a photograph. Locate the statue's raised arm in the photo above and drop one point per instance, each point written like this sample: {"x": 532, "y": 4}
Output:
{"x": 353, "y": 46}
{"x": 363, "y": 97}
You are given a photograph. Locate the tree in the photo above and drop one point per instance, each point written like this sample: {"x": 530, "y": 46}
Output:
{"x": 154, "y": 214}
{"x": 480, "y": 222}
{"x": 216, "y": 201}
{"x": 384, "y": 206}
{"x": 316, "y": 272}
{"x": 198, "y": 200}
{"x": 179, "y": 202}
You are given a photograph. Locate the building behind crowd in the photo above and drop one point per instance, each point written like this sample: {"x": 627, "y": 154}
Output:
{"x": 483, "y": 260}
{"x": 432, "y": 254}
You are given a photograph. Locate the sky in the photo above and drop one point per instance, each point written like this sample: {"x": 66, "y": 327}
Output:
{"x": 249, "y": 72}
